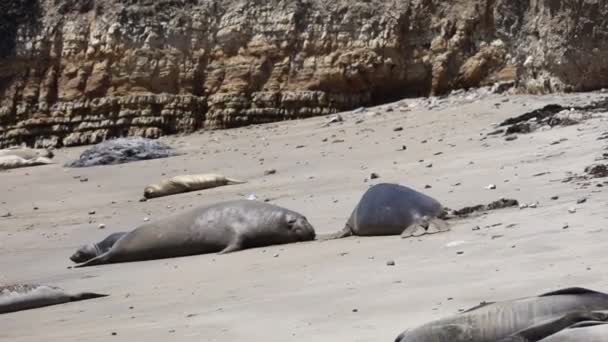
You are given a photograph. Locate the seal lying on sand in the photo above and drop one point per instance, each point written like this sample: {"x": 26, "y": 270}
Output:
{"x": 589, "y": 331}
{"x": 186, "y": 183}
{"x": 92, "y": 250}
{"x": 15, "y": 157}
{"x": 24, "y": 296}
{"x": 392, "y": 209}
{"x": 531, "y": 317}
{"x": 223, "y": 227}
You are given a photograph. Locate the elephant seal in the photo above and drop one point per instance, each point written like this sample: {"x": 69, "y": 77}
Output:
{"x": 92, "y": 250}
{"x": 393, "y": 209}
{"x": 222, "y": 227}
{"x": 536, "y": 317}
{"x": 26, "y": 152}
{"x": 14, "y": 162}
{"x": 186, "y": 183}
{"x": 585, "y": 331}
{"x": 27, "y": 296}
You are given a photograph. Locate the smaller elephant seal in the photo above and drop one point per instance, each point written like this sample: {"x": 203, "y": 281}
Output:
{"x": 222, "y": 227}
{"x": 523, "y": 319}
{"x": 392, "y": 209}
{"x": 26, "y": 152}
{"x": 92, "y": 250}
{"x": 16, "y": 157}
{"x": 186, "y": 183}
{"x": 28, "y": 296}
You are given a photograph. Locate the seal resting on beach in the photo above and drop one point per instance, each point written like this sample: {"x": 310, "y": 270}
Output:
{"x": 26, "y": 296}
{"x": 16, "y": 157}
{"x": 524, "y": 319}
{"x": 223, "y": 227}
{"x": 393, "y": 209}
{"x": 186, "y": 183}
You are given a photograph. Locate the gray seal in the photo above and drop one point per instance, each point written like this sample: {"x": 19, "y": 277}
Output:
{"x": 223, "y": 227}
{"x": 393, "y": 209}
{"x": 92, "y": 250}
{"x": 31, "y": 296}
{"x": 524, "y": 319}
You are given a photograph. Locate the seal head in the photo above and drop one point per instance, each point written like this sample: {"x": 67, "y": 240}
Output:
{"x": 85, "y": 253}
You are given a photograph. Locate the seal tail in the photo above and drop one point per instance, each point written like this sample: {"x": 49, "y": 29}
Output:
{"x": 345, "y": 232}
{"x": 98, "y": 260}
{"x": 231, "y": 181}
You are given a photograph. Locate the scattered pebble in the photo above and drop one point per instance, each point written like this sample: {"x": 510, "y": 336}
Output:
{"x": 355, "y": 310}
{"x": 429, "y": 165}
{"x": 101, "y": 226}
{"x": 571, "y": 210}
{"x": 390, "y": 263}
{"x": 82, "y": 180}
{"x": 92, "y": 212}
{"x": 460, "y": 252}
{"x": 554, "y": 198}
{"x": 398, "y": 129}
{"x": 270, "y": 172}
{"x": 276, "y": 255}
{"x": 143, "y": 199}
{"x": 402, "y": 148}
{"x": 511, "y": 137}
{"x": 427, "y": 186}
{"x": 581, "y": 200}
{"x": 476, "y": 228}
{"x": 491, "y": 187}
{"x": 146, "y": 219}
{"x": 565, "y": 226}
{"x": 374, "y": 175}
{"x": 533, "y": 205}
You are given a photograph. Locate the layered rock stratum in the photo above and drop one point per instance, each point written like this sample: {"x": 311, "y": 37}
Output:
{"x": 76, "y": 72}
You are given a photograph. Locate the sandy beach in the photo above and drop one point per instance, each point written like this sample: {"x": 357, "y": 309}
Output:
{"x": 340, "y": 290}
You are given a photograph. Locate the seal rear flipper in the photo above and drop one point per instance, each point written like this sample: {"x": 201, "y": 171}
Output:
{"x": 86, "y": 295}
{"x": 98, "y": 260}
{"x": 231, "y": 181}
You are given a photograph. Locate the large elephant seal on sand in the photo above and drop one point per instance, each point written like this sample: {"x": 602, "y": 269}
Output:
{"x": 532, "y": 317}
{"x": 186, "y": 183}
{"x": 393, "y": 209}
{"x": 92, "y": 250}
{"x": 223, "y": 227}
{"x": 25, "y": 296}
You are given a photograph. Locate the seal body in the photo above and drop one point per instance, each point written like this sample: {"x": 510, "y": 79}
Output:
{"x": 535, "y": 317}
{"x": 27, "y": 296}
{"x": 223, "y": 227}
{"x": 186, "y": 183}
{"x": 393, "y": 209}
{"x": 92, "y": 250}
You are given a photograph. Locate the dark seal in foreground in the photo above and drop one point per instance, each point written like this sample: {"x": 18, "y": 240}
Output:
{"x": 223, "y": 227}
{"x": 26, "y": 296}
{"x": 122, "y": 150}
{"x": 393, "y": 209}
{"x": 517, "y": 320}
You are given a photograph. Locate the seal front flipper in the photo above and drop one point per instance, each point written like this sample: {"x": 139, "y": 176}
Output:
{"x": 233, "y": 246}
{"x": 98, "y": 260}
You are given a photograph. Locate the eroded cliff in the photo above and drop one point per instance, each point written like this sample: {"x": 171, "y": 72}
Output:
{"x": 79, "y": 71}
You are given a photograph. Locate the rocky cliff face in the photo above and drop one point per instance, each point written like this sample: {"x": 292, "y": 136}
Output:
{"x": 79, "y": 71}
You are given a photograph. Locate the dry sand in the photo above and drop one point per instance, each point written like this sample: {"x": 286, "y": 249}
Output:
{"x": 338, "y": 290}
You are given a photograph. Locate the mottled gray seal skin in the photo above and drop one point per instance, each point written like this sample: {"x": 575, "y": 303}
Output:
{"x": 223, "y": 227}
{"x": 28, "y": 296}
{"x": 391, "y": 209}
{"x": 581, "y": 332}
{"x": 88, "y": 252}
{"x": 532, "y": 318}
